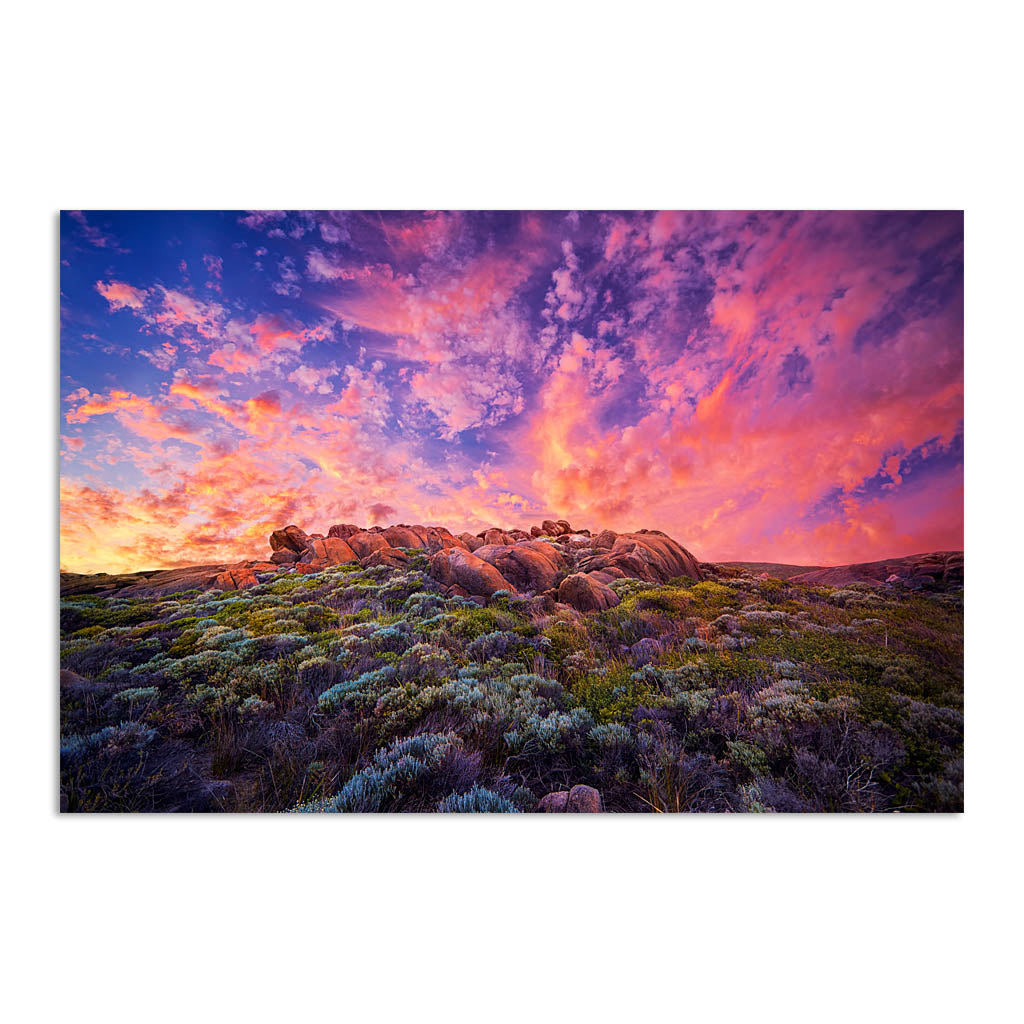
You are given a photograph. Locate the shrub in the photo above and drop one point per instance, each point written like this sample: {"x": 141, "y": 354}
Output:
{"x": 316, "y": 674}
{"x": 477, "y": 800}
{"x": 498, "y": 644}
{"x": 112, "y": 738}
{"x": 363, "y": 691}
{"x": 137, "y": 694}
{"x": 398, "y": 772}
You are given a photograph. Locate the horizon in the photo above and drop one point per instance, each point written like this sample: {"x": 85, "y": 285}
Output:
{"x": 762, "y": 387}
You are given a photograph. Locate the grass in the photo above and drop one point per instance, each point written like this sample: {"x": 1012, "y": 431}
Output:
{"x": 757, "y": 695}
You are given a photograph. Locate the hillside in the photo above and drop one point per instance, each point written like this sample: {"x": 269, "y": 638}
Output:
{"x": 779, "y": 570}
{"x": 409, "y": 669}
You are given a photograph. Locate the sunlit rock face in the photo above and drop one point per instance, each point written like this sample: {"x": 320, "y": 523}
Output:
{"x": 532, "y": 566}
{"x": 586, "y": 594}
{"x": 648, "y": 555}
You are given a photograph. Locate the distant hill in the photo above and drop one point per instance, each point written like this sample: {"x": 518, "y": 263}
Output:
{"x": 779, "y": 570}
{"x": 946, "y": 567}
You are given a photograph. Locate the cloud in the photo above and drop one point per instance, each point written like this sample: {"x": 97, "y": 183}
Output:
{"x": 783, "y": 386}
{"x": 311, "y": 379}
{"x": 163, "y": 358}
{"x": 122, "y": 296}
{"x": 94, "y": 235}
{"x": 380, "y": 511}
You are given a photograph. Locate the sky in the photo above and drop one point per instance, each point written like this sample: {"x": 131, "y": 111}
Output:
{"x": 762, "y": 386}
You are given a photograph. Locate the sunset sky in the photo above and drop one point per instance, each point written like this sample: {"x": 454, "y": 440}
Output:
{"x": 761, "y": 386}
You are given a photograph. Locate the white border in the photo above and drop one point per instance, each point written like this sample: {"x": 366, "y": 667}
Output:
{"x": 117, "y": 105}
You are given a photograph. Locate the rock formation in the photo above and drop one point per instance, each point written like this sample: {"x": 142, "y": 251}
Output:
{"x": 554, "y": 560}
{"x": 529, "y": 565}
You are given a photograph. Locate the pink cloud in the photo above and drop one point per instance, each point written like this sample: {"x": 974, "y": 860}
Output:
{"x": 121, "y": 295}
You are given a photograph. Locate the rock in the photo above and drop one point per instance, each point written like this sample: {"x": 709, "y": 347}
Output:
{"x": 284, "y": 556}
{"x": 549, "y": 528}
{"x": 554, "y": 803}
{"x": 529, "y": 565}
{"x": 536, "y": 531}
{"x": 471, "y": 541}
{"x": 385, "y": 556}
{"x": 496, "y": 536}
{"x": 605, "y": 539}
{"x": 439, "y": 540}
{"x": 644, "y": 651}
{"x": 452, "y": 566}
{"x": 404, "y": 537}
{"x": 236, "y": 579}
{"x": 305, "y": 567}
{"x": 72, "y": 682}
{"x": 365, "y": 543}
{"x": 333, "y": 551}
{"x": 586, "y": 594}
{"x": 647, "y": 555}
{"x": 173, "y": 581}
{"x": 290, "y": 537}
{"x": 584, "y": 800}
{"x": 578, "y": 800}
{"x": 344, "y": 530}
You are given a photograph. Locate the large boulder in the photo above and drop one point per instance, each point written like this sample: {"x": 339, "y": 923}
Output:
{"x": 344, "y": 530}
{"x": 290, "y": 537}
{"x": 436, "y": 538}
{"x": 454, "y": 567}
{"x": 471, "y": 541}
{"x": 529, "y": 565}
{"x": 332, "y": 551}
{"x": 284, "y": 556}
{"x": 365, "y": 543}
{"x": 550, "y": 528}
{"x": 647, "y": 555}
{"x": 405, "y": 536}
{"x": 586, "y": 594}
{"x": 578, "y": 800}
{"x": 391, "y": 557}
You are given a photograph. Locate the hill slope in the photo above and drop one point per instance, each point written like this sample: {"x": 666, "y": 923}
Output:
{"x": 603, "y": 674}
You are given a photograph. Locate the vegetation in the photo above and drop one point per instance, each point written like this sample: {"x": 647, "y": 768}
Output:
{"x": 367, "y": 690}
